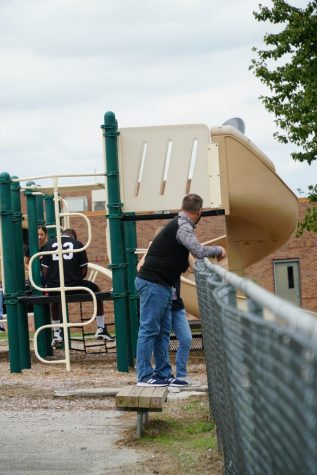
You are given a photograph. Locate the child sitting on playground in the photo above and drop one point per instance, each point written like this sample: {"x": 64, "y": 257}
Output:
{"x": 75, "y": 265}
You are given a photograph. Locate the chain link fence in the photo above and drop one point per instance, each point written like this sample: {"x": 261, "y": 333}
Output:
{"x": 261, "y": 358}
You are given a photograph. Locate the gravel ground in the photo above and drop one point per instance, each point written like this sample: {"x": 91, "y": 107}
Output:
{"x": 44, "y": 434}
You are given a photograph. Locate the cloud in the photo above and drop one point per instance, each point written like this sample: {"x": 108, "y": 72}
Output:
{"x": 64, "y": 63}
{"x": 146, "y": 28}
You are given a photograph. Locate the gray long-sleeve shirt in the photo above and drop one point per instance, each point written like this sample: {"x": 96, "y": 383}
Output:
{"x": 185, "y": 235}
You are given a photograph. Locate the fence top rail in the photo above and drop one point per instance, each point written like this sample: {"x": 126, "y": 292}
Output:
{"x": 295, "y": 317}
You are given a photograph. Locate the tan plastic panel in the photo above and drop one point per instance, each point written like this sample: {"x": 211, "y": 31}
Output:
{"x": 155, "y": 145}
{"x": 262, "y": 209}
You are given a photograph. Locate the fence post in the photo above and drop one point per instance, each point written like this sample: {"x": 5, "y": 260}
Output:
{"x": 118, "y": 266}
{"x": 23, "y": 324}
{"x": 9, "y": 266}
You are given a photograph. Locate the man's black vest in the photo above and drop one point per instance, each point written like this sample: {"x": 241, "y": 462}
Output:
{"x": 166, "y": 260}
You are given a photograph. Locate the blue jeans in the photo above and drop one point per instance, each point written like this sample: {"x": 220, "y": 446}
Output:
{"x": 183, "y": 334}
{"x": 154, "y": 330}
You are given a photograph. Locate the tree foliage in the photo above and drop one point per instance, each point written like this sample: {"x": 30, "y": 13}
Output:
{"x": 309, "y": 222}
{"x": 288, "y": 66}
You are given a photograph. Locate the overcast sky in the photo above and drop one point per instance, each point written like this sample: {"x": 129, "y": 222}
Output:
{"x": 64, "y": 63}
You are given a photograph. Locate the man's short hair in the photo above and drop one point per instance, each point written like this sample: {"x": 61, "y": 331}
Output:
{"x": 192, "y": 203}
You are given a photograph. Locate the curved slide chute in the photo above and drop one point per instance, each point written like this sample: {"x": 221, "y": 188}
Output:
{"x": 261, "y": 212}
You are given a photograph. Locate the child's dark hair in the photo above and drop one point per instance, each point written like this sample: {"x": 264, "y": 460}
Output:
{"x": 70, "y": 232}
{"x": 43, "y": 228}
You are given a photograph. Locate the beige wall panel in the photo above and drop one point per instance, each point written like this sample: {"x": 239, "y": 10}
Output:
{"x": 149, "y": 195}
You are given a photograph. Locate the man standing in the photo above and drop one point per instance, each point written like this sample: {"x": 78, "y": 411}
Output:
{"x": 165, "y": 261}
{"x": 75, "y": 265}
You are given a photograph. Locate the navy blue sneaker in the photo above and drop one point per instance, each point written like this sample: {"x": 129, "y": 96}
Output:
{"x": 177, "y": 383}
{"x": 153, "y": 381}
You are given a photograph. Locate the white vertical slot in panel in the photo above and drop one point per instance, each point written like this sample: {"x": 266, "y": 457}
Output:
{"x": 191, "y": 166}
{"x": 166, "y": 166}
{"x": 214, "y": 176}
{"x": 141, "y": 169}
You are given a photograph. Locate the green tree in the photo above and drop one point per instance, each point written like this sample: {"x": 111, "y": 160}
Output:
{"x": 288, "y": 66}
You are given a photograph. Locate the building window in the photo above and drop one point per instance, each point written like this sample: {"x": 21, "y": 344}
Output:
{"x": 77, "y": 203}
{"x": 98, "y": 200}
{"x": 99, "y": 206}
{"x": 290, "y": 276}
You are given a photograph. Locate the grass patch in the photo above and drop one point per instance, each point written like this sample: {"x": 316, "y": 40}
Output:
{"x": 183, "y": 438}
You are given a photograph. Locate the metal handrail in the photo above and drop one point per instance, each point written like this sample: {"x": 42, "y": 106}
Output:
{"x": 95, "y": 268}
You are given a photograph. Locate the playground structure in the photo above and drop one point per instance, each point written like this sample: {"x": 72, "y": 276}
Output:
{"x": 12, "y": 250}
{"x": 148, "y": 171}
{"x": 227, "y": 170}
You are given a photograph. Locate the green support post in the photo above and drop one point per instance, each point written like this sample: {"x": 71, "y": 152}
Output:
{"x": 23, "y": 324}
{"x": 9, "y": 266}
{"x": 39, "y": 210}
{"x": 131, "y": 241}
{"x": 50, "y": 215}
{"x": 50, "y": 221}
{"x": 46, "y": 308}
{"x": 118, "y": 266}
{"x": 39, "y": 319}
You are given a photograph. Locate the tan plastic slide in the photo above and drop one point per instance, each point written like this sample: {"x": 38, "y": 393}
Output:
{"x": 261, "y": 211}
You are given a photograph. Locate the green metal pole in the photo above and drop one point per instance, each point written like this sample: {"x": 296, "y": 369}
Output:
{"x": 9, "y": 266}
{"x": 130, "y": 240}
{"x": 23, "y": 324}
{"x": 50, "y": 220}
{"x": 39, "y": 319}
{"x": 46, "y": 308}
{"x": 110, "y": 132}
{"x": 50, "y": 215}
{"x": 39, "y": 210}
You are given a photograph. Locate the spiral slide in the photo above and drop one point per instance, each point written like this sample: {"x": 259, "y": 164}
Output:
{"x": 260, "y": 210}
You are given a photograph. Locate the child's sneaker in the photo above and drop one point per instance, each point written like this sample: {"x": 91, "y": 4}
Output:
{"x": 177, "y": 383}
{"x": 57, "y": 339}
{"x": 190, "y": 382}
{"x": 2, "y": 327}
{"x": 154, "y": 381}
{"x": 102, "y": 334}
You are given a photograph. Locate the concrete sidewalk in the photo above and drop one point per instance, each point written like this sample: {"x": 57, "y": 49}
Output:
{"x": 81, "y": 442}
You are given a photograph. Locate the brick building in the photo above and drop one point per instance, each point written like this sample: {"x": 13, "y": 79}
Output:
{"x": 296, "y": 260}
